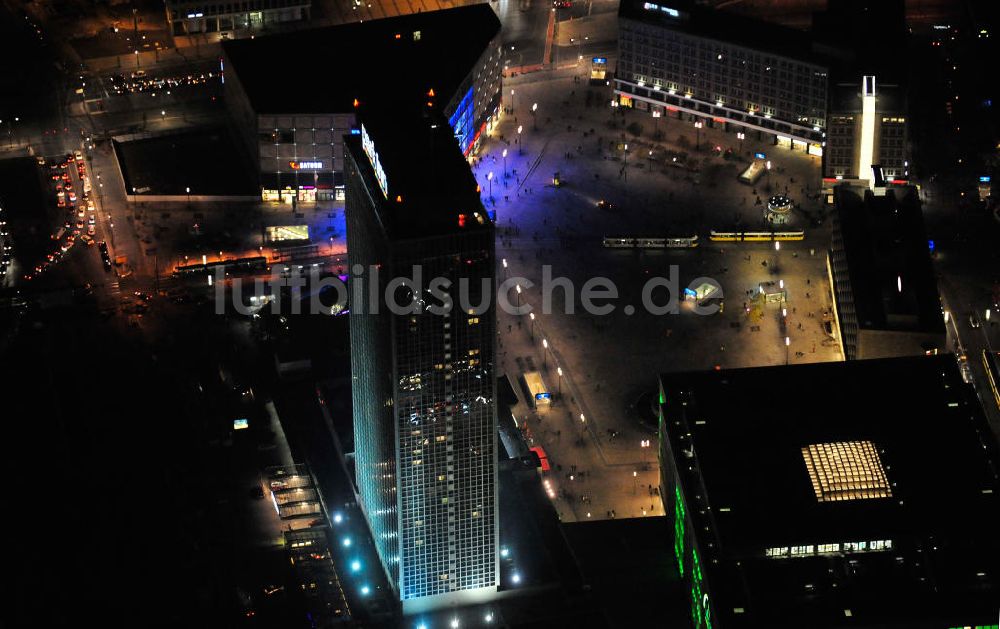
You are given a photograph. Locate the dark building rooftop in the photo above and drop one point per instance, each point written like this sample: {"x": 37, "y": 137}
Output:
{"x": 894, "y": 454}
{"x": 723, "y": 26}
{"x": 323, "y": 70}
{"x": 430, "y": 189}
{"x": 845, "y": 97}
{"x": 874, "y": 31}
{"x": 889, "y": 261}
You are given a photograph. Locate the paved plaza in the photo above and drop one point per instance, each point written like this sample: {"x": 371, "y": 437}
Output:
{"x": 600, "y": 464}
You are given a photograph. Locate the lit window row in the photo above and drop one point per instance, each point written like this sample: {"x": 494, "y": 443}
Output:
{"x": 827, "y": 549}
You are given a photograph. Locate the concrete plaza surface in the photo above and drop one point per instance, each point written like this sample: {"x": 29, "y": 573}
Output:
{"x": 600, "y": 464}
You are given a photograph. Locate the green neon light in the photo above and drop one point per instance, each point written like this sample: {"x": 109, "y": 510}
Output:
{"x": 679, "y": 529}
{"x": 701, "y": 613}
{"x": 695, "y": 605}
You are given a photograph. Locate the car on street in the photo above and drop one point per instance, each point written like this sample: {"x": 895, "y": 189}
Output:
{"x": 973, "y": 320}
{"x": 605, "y": 205}
{"x": 105, "y": 256}
{"x": 562, "y": 4}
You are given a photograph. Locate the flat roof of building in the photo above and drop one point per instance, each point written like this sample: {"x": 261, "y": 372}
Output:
{"x": 324, "y": 70}
{"x": 724, "y": 26}
{"x": 204, "y": 160}
{"x": 888, "y": 259}
{"x": 890, "y": 98}
{"x": 868, "y": 451}
{"x": 430, "y": 188}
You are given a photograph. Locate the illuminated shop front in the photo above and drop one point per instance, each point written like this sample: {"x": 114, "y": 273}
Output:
{"x": 304, "y": 185}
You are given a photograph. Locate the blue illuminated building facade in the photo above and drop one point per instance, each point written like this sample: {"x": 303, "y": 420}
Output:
{"x": 463, "y": 121}
{"x": 423, "y": 381}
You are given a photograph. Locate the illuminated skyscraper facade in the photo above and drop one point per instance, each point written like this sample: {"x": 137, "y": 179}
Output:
{"x": 423, "y": 379}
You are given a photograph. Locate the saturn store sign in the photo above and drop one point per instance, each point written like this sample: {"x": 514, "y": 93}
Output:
{"x": 306, "y": 165}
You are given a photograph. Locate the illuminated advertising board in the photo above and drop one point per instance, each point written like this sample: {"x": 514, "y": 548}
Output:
{"x": 369, "y": 147}
{"x": 306, "y": 165}
{"x": 650, "y": 6}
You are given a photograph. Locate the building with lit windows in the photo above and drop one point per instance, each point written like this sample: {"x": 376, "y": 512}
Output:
{"x": 292, "y": 97}
{"x": 423, "y": 381}
{"x": 867, "y": 128}
{"x": 232, "y": 19}
{"x": 724, "y": 70}
{"x": 855, "y": 494}
{"x": 885, "y": 293}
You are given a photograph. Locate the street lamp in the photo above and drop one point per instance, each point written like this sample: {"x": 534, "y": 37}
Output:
{"x": 625, "y": 167}
{"x": 489, "y": 178}
{"x": 512, "y": 101}
{"x": 788, "y": 342}
{"x": 697, "y": 142}
{"x": 504, "y": 260}
{"x": 188, "y": 190}
{"x": 559, "y": 373}
{"x": 517, "y": 287}
{"x": 545, "y": 353}
{"x": 740, "y": 136}
{"x": 534, "y": 117}
{"x": 531, "y": 316}
{"x": 520, "y": 151}
{"x": 650, "y": 160}
{"x": 583, "y": 420}
{"x": 504, "y": 163}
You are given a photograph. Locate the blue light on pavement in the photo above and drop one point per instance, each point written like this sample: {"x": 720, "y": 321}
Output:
{"x": 355, "y": 565}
